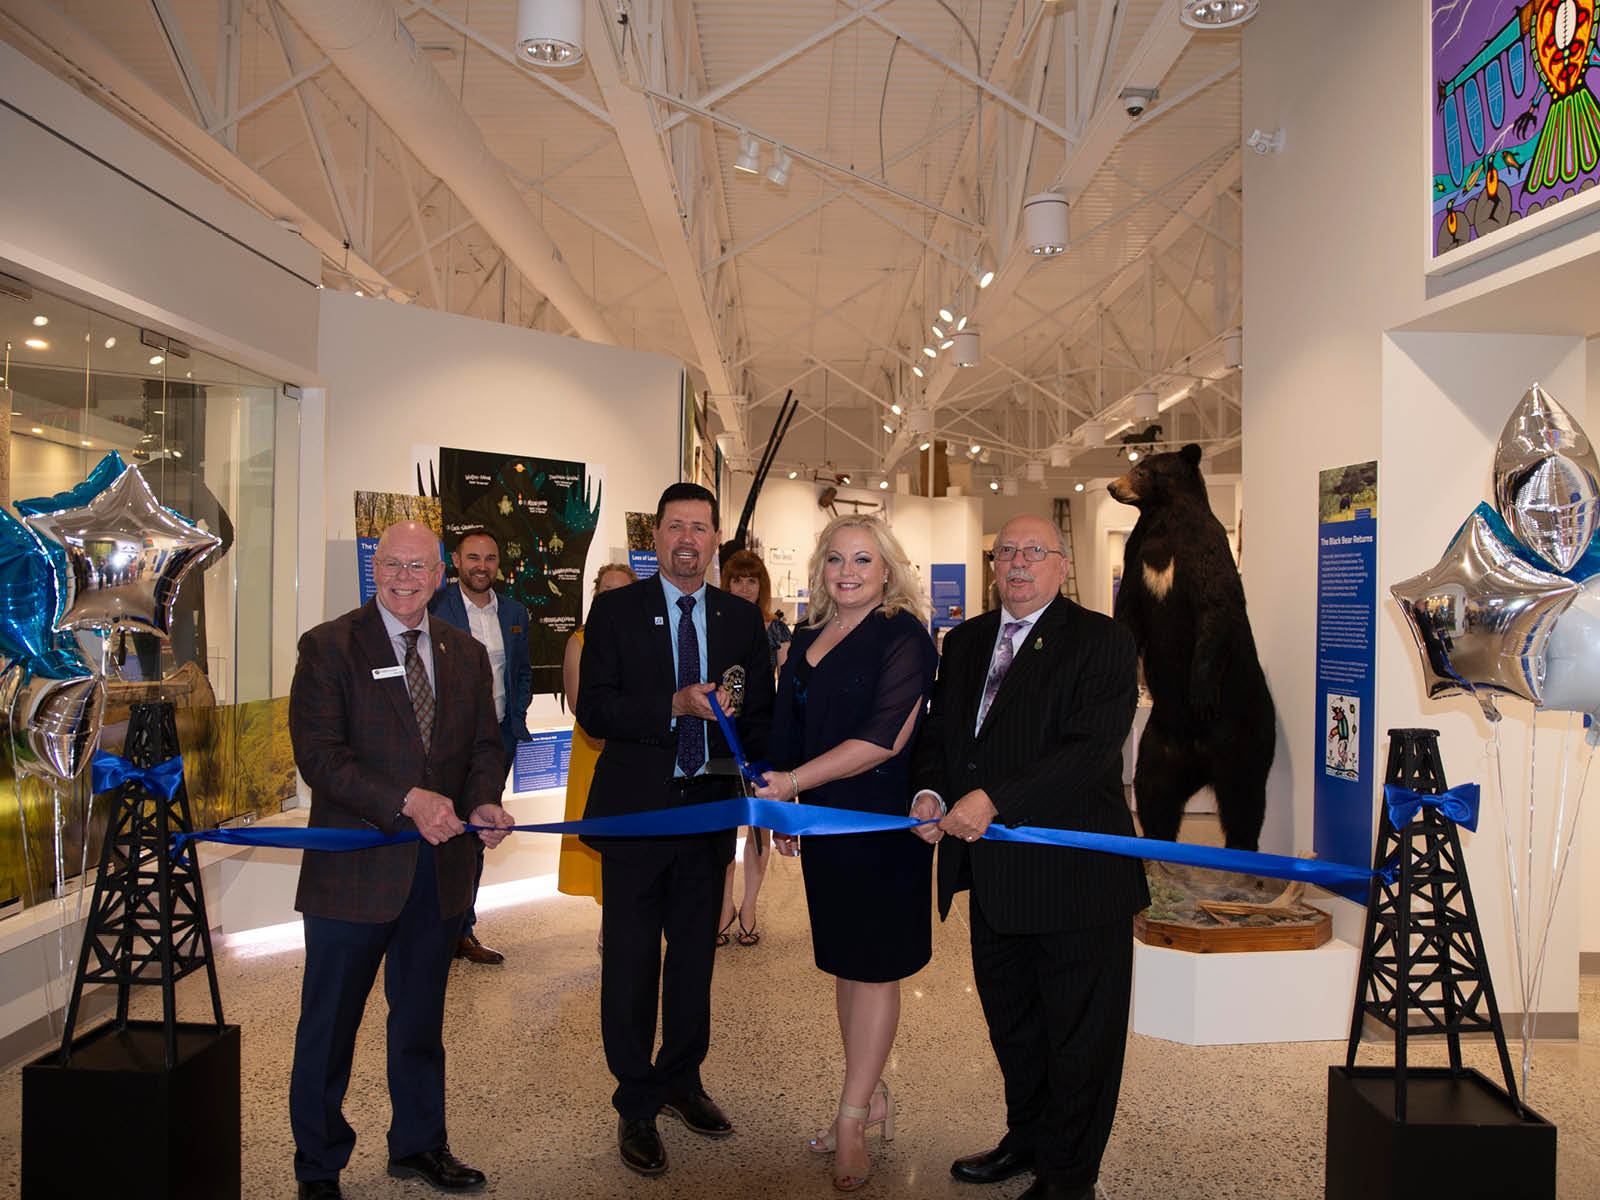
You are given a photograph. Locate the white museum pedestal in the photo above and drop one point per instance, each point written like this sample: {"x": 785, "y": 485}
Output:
{"x": 1264, "y": 996}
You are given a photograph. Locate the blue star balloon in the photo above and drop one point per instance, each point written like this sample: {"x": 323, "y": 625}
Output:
{"x": 28, "y": 587}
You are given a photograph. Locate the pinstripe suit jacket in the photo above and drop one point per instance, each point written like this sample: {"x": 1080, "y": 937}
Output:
{"x": 358, "y": 747}
{"x": 1050, "y": 755}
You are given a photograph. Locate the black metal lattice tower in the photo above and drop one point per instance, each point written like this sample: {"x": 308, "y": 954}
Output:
{"x": 147, "y": 924}
{"x": 1423, "y": 970}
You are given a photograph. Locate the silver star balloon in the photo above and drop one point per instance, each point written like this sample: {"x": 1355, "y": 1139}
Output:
{"x": 1547, "y": 480}
{"x": 1481, "y": 618}
{"x": 126, "y": 556}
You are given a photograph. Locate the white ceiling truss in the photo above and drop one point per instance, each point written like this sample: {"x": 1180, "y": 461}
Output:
{"x": 606, "y": 201}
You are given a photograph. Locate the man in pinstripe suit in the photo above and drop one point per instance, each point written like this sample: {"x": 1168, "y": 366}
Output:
{"x": 1026, "y": 727}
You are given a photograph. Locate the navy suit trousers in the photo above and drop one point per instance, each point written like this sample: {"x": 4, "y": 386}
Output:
{"x": 342, "y": 960}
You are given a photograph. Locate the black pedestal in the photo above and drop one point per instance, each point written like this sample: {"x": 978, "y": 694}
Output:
{"x": 1462, "y": 1138}
{"x": 118, "y": 1122}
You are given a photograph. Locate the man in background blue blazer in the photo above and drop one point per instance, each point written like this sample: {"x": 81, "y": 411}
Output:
{"x": 501, "y": 625}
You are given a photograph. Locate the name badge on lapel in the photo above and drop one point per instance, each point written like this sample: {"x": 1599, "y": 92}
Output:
{"x": 661, "y": 620}
{"x": 387, "y": 672}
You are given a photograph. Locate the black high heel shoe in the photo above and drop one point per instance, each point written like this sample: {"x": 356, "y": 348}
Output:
{"x": 723, "y": 936}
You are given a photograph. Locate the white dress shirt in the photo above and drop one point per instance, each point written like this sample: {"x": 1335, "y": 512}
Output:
{"x": 484, "y": 622}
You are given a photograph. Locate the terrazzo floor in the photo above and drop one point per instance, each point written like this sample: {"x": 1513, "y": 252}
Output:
{"x": 529, "y": 1093}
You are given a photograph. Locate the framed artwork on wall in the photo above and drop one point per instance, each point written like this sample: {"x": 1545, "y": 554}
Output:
{"x": 1514, "y": 126}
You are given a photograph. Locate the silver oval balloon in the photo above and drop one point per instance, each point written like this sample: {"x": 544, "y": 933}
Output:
{"x": 1572, "y": 658}
{"x": 126, "y": 556}
{"x": 1482, "y": 618}
{"x": 55, "y": 723}
{"x": 1547, "y": 480}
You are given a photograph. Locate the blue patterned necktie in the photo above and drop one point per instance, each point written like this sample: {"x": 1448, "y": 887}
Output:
{"x": 1002, "y": 664}
{"x": 691, "y": 730}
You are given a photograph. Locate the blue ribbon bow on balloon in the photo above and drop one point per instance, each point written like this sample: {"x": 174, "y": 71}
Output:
{"x": 111, "y": 771}
{"x": 1459, "y": 804}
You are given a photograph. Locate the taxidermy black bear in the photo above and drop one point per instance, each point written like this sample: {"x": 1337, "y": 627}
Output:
{"x": 1212, "y": 719}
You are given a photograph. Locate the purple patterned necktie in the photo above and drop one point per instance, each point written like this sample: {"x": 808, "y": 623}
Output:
{"x": 691, "y": 730}
{"x": 1002, "y": 664}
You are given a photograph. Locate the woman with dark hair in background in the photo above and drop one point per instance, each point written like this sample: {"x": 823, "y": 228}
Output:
{"x": 578, "y": 869}
{"x": 745, "y": 576}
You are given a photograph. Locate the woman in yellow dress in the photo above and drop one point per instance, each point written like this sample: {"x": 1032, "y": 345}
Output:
{"x": 578, "y": 870}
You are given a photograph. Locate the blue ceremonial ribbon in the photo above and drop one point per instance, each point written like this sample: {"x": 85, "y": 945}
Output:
{"x": 109, "y": 771}
{"x": 809, "y": 820}
{"x": 1460, "y": 804}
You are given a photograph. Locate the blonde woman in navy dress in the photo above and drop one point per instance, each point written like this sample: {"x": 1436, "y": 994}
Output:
{"x": 850, "y": 695}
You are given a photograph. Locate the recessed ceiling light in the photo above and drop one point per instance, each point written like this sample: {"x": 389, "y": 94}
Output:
{"x": 994, "y": 485}
{"x": 41, "y": 320}
{"x": 86, "y": 442}
{"x": 156, "y": 360}
{"x": 359, "y": 292}
{"x": 883, "y": 485}
{"x": 111, "y": 343}
{"x": 36, "y": 429}
{"x": 36, "y": 344}
{"x": 1133, "y": 456}
{"x": 794, "y": 474}
{"x": 1077, "y": 487}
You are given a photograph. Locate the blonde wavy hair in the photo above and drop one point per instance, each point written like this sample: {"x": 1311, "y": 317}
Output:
{"x": 899, "y": 592}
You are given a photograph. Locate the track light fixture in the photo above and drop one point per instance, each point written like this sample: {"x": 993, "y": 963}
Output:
{"x": 947, "y": 343}
{"x": 778, "y": 172}
{"x": 983, "y": 272}
{"x": 967, "y": 348}
{"x": 550, "y": 32}
{"x": 917, "y": 371}
{"x": 930, "y": 352}
{"x": 749, "y": 160}
{"x": 946, "y": 315}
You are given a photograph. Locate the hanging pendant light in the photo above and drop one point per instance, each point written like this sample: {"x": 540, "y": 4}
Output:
{"x": 1044, "y": 223}
{"x": 550, "y": 32}
{"x": 967, "y": 347}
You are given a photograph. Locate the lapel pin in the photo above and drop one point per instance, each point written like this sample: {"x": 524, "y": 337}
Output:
{"x": 661, "y": 620}
{"x": 1038, "y": 643}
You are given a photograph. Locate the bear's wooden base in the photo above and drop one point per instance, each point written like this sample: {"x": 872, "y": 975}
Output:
{"x": 1235, "y": 939}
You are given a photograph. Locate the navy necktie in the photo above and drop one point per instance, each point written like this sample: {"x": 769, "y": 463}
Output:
{"x": 691, "y": 730}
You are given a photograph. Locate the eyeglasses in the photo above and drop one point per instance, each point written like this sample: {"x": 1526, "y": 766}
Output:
{"x": 393, "y": 566}
{"x": 1031, "y": 553}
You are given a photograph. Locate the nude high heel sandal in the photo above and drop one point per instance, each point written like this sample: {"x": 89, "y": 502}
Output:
{"x": 826, "y": 1143}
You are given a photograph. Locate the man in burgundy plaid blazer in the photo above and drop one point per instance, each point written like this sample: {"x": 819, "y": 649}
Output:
{"x": 392, "y": 718}
{"x": 1026, "y": 727}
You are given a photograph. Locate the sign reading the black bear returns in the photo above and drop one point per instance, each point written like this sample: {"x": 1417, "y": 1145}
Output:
{"x": 543, "y": 516}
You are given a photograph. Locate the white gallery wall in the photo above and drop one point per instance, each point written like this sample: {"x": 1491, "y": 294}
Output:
{"x": 399, "y": 376}
{"x": 1353, "y": 354}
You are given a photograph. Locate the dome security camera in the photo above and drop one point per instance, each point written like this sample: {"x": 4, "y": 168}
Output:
{"x": 1136, "y": 99}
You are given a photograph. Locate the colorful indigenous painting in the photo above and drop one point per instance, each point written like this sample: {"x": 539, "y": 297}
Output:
{"x": 1516, "y": 129}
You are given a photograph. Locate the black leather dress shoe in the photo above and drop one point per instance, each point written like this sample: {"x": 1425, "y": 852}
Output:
{"x": 440, "y": 1168}
{"x": 319, "y": 1189}
{"x": 641, "y": 1146}
{"x": 1044, "y": 1189}
{"x": 699, "y": 1112}
{"x": 991, "y": 1166}
{"x": 471, "y": 949}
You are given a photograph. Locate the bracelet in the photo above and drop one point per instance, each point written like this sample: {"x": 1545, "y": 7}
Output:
{"x": 794, "y": 783}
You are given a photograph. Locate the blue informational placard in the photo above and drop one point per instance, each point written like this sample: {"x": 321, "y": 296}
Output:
{"x": 948, "y": 584}
{"x": 541, "y": 762}
{"x": 1347, "y": 560}
{"x": 643, "y": 562}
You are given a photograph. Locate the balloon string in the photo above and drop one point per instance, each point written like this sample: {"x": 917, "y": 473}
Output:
{"x": 1560, "y": 855}
{"x": 1498, "y": 759}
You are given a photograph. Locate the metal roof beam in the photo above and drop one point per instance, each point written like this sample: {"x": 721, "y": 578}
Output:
{"x": 183, "y": 61}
